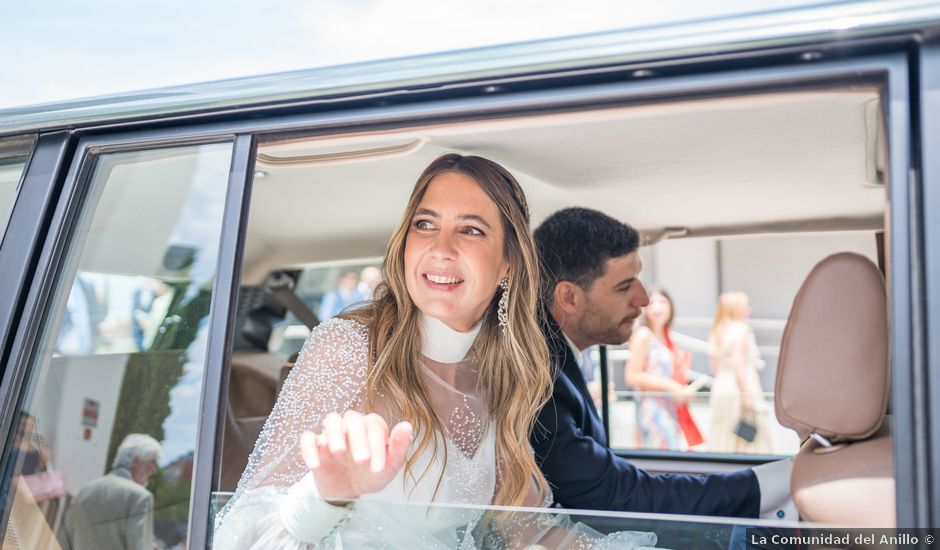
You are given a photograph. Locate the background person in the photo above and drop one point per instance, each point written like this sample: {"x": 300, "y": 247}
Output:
{"x": 149, "y": 305}
{"x": 80, "y": 332}
{"x": 344, "y": 295}
{"x": 369, "y": 279}
{"x": 736, "y": 394}
{"x": 656, "y": 366}
{"x": 116, "y": 511}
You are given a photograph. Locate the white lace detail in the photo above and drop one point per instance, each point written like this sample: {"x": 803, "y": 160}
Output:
{"x": 329, "y": 376}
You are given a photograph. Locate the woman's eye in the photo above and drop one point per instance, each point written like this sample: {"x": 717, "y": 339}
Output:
{"x": 423, "y": 224}
{"x": 473, "y": 231}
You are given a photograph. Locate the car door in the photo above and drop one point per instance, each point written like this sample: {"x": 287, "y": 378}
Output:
{"x": 153, "y": 221}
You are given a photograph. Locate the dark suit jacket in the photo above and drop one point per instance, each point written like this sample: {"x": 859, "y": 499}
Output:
{"x": 571, "y": 448}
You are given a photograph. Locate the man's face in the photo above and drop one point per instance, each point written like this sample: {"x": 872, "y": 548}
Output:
{"x": 141, "y": 470}
{"x": 612, "y": 303}
{"x": 349, "y": 281}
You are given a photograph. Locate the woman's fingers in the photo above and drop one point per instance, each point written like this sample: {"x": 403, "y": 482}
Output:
{"x": 377, "y": 434}
{"x": 355, "y": 426}
{"x": 336, "y": 436}
{"x": 398, "y": 441}
{"x": 308, "y": 450}
{"x": 366, "y": 438}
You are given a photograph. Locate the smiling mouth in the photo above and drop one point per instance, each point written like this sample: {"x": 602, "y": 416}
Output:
{"x": 442, "y": 280}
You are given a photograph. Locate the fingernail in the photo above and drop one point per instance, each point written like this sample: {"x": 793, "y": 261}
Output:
{"x": 377, "y": 465}
{"x": 360, "y": 457}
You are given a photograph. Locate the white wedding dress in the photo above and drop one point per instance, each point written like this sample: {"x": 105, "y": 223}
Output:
{"x": 276, "y": 505}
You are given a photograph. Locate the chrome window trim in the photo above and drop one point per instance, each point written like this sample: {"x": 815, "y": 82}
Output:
{"x": 812, "y": 27}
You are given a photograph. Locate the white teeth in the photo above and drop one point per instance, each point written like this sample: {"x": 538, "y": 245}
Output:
{"x": 442, "y": 280}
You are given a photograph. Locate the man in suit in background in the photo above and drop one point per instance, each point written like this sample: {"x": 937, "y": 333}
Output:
{"x": 592, "y": 295}
{"x": 116, "y": 511}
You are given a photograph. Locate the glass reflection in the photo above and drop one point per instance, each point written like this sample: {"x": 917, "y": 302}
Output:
{"x": 104, "y": 453}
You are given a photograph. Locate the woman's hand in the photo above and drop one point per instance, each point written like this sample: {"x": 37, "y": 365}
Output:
{"x": 355, "y": 454}
{"x": 682, "y": 394}
{"x": 747, "y": 404}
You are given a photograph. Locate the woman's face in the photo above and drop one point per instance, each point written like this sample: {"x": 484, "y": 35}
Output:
{"x": 746, "y": 310}
{"x": 454, "y": 251}
{"x": 659, "y": 310}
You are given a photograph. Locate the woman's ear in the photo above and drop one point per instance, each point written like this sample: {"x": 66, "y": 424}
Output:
{"x": 504, "y": 272}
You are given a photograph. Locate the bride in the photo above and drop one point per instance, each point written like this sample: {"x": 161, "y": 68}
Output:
{"x": 449, "y": 354}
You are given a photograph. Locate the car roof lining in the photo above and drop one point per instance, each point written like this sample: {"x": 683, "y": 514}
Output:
{"x": 807, "y": 160}
{"x": 802, "y": 160}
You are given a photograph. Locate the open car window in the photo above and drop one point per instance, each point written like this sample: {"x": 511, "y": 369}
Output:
{"x": 738, "y": 193}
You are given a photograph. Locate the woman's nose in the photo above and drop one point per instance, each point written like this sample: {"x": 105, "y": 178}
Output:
{"x": 444, "y": 246}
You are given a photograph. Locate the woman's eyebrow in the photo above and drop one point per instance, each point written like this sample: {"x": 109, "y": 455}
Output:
{"x": 427, "y": 212}
{"x": 474, "y": 218}
{"x": 462, "y": 217}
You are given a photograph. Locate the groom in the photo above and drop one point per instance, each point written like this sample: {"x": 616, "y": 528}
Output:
{"x": 592, "y": 295}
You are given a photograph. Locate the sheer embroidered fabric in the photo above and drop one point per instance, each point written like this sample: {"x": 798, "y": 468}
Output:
{"x": 329, "y": 376}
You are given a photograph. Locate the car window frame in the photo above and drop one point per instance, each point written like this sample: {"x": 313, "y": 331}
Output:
{"x": 16, "y": 146}
{"x": 35, "y": 190}
{"x": 66, "y": 207}
{"x": 928, "y": 91}
{"x": 891, "y": 69}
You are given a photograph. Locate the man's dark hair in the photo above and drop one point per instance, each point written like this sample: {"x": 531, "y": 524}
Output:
{"x": 574, "y": 245}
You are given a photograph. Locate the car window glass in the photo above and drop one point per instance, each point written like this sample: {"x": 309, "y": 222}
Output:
{"x": 106, "y": 429}
{"x": 14, "y": 154}
{"x": 767, "y": 271}
{"x": 504, "y": 527}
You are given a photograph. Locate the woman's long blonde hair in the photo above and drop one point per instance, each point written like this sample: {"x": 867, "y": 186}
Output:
{"x": 513, "y": 364}
{"x": 732, "y": 307}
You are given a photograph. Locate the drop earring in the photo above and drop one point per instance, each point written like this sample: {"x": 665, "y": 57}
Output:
{"x": 502, "y": 311}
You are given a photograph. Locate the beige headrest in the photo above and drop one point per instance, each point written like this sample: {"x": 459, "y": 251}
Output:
{"x": 832, "y": 377}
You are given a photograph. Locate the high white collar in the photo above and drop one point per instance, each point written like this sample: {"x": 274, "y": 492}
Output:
{"x": 444, "y": 344}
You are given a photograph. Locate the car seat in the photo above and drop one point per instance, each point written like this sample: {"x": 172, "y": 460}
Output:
{"x": 832, "y": 388}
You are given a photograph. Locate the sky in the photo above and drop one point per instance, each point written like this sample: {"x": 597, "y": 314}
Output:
{"x": 52, "y": 51}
